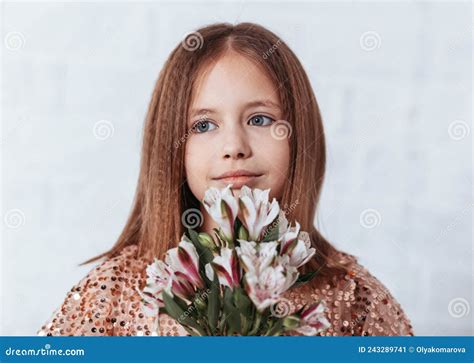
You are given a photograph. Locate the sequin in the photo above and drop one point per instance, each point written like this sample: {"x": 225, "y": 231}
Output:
{"x": 105, "y": 303}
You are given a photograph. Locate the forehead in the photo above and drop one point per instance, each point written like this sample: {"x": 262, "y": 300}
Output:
{"x": 232, "y": 81}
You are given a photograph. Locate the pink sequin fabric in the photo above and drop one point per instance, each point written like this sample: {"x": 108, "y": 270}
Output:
{"x": 105, "y": 303}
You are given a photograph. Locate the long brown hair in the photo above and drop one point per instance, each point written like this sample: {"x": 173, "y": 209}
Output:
{"x": 162, "y": 194}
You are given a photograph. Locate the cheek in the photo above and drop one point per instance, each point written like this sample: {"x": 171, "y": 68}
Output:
{"x": 280, "y": 167}
{"x": 281, "y": 158}
{"x": 275, "y": 155}
{"x": 196, "y": 165}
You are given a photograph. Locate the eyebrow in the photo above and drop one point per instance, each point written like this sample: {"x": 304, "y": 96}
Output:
{"x": 257, "y": 103}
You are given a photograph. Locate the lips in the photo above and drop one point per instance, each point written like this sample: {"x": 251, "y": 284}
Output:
{"x": 239, "y": 182}
{"x": 237, "y": 174}
{"x": 239, "y": 178}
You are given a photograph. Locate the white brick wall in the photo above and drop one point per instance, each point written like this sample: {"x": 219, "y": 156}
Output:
{"x": 387, "y": 114}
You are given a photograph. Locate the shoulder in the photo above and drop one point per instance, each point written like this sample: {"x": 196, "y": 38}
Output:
{"x": 105, "y": 301}
{"x": 356, "y": 302}
{"x": 373, "y": 308}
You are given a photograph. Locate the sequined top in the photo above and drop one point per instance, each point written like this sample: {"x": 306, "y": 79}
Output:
{"x": 105, "y": 303}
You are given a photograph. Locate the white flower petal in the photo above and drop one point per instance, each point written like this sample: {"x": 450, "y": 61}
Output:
{"x": 256, "y": 211}
{"x": 209, "y": 271}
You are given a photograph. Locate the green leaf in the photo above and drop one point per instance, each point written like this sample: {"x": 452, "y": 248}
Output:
{"x": 242, "y": 301}
{"x": 214, "y": 304}
{"x": 237, "y": 226}
{"x": 244, "y": 305}
{"x": 271, "y": 231}
{"x": 276, "y": 329}
{"x": 243, "y": 233}
{"x": 222, "y": 322}
{"x": 172, "y": 308}
{"x": 299, "y": 311}
{"x": 176, "y": 312}
{"x": 291, "y": 322}
{"x": 183, "y": 304}
{"x": 191, "y": 331}
{"x": 256, "y": 323}
{"x": 245, "y": 323}
{"x": 233, "y": 318}
{"x": 205, "y": 254}
{"x": 304, "y": 278}
{"x": 265, "y": 322}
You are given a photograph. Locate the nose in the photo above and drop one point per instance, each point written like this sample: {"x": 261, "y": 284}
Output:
{"x": 236, "y": 143}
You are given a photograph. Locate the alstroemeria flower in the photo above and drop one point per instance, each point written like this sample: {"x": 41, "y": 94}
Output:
{"x": 223, "y": 207}
{"x": 288, "y": 238}
{"x": 227, "y": 268}
{"x": 151, "y": 306}
{"x": 267, "y": 274}
{"x": 182, "y": 286}
{"x": 265, "y": 288}
{"x": 256, "y": 211}
{"x": 184, "y": 261}
{"x": 303, "y": 251}
{"x": 159, "y": 279}
{"x": 313, "y": 320}
{"x": 256, "y": 256}
{"x": 291, "y": 272}
{"x": 282, "y": 224}
{"x": 296, "y": 245}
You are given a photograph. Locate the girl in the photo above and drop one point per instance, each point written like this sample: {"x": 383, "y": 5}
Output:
{"x": 232, "y": 104}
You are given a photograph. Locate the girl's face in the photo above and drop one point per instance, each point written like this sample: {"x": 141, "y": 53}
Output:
{"x": 233, "y": 108}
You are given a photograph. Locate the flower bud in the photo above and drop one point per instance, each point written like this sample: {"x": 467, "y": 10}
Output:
{"x": 291, "y": 322}
{"x": 243, "y": 234}
{"x": 206, "y": 240}
{"x": 200, "y": 303}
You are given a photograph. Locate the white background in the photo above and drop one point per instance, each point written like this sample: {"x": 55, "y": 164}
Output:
{"x": 393, "y": 81}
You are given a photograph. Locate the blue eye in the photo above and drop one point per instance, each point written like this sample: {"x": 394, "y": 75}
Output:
{"x": 259, "y": 120}
{"x": 201, "y": 126}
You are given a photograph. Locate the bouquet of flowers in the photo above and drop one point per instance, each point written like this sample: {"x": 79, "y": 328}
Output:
{"x": 231, "y": 283}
